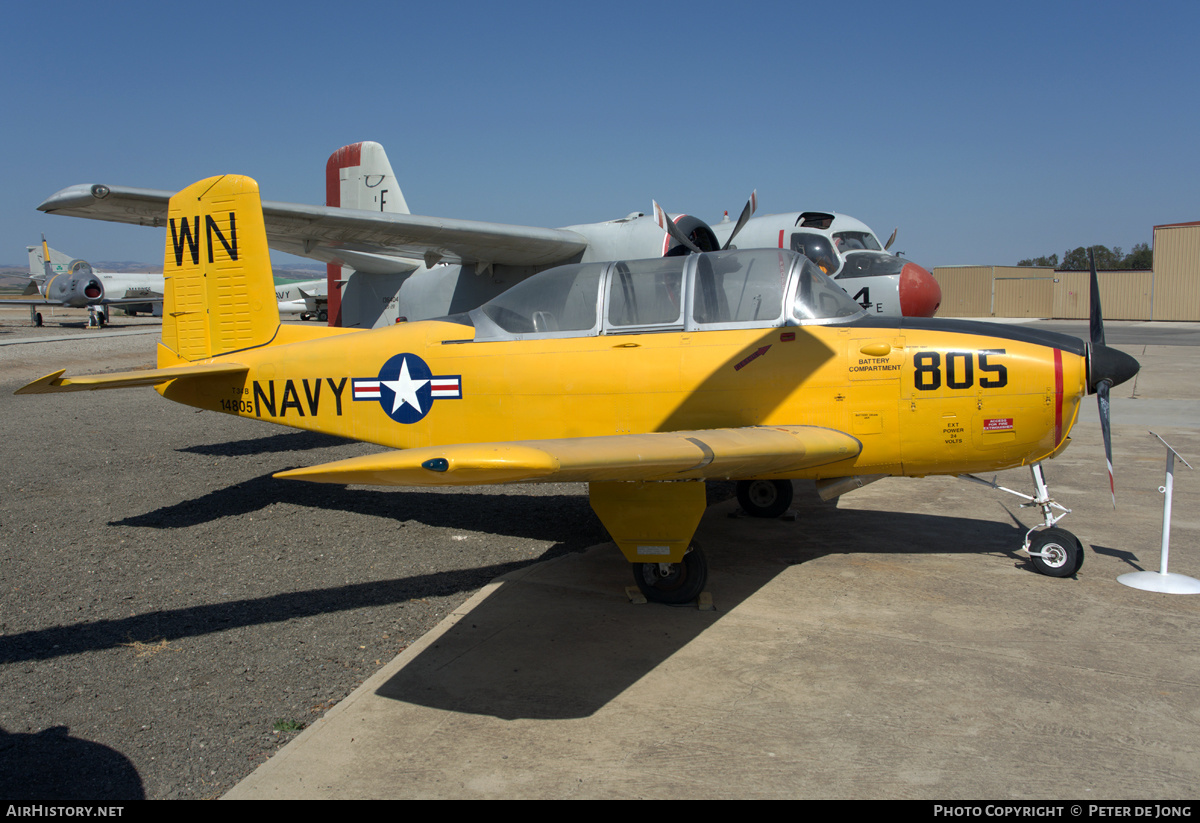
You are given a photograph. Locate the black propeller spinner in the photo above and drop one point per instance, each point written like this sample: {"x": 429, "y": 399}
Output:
{"x": 1106, "y": 368}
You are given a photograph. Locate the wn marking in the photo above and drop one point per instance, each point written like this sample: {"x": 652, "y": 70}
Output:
{"x": 186, "y": 237}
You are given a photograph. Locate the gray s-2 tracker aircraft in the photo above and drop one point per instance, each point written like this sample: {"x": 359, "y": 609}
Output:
{"x": 72, "y": 283}
{"x": 387, "y": 265}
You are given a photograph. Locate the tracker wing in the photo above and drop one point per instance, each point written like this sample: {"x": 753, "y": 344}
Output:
{"x": 691, "y": 455}
{"x": 373, "y": 242}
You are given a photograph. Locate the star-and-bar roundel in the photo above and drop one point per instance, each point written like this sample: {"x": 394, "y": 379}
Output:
{"x": 406, "y": 388}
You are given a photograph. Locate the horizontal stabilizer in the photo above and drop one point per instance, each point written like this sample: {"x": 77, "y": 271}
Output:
{"x": 124, "y": 380}
{"x": 712, "y": 453}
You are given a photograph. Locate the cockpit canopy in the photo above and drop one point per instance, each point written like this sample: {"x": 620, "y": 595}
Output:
{"x": 758, "y": 288}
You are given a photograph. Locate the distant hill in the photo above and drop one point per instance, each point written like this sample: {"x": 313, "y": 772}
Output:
{"x": 14, "y": 277}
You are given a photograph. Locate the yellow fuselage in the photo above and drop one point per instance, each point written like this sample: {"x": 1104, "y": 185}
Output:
{"x": 934, "y": 400}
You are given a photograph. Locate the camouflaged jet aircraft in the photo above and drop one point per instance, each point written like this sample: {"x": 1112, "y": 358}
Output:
{"x": 62, "y": 281}
{"x": 386, "y": 265}
{"x": 643, "y": 378}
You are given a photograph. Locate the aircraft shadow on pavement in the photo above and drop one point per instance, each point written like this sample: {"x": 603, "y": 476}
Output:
{"x": 565, "y": 517}
{"x": 196, "y": 621}
{"x": 53, "y": 765}
{"x": 270, "y": 444}
{"x": 562, "y": 641}
{"x": 560, "y": 637}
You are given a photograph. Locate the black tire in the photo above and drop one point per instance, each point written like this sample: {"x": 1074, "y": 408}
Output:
{"x": 38, "y": 320}
{"x": 764, "y": 498}
{"x": 323, "y": 316}
{"x": 1063, "y": 549}
{"x": 678, "y": 583}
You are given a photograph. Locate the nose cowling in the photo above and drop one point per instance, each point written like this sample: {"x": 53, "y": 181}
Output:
{"x": 1111, "y": 365}
{"x": 920, "y": 294}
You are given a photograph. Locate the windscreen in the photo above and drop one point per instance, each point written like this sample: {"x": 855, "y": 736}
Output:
{"x": 855, "y": 241}
{"x": 871, "y": 264}
{"x": 818, "y": 297}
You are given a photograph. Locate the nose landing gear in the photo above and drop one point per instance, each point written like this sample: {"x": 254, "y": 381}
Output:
{"x": 1053, "y": 551}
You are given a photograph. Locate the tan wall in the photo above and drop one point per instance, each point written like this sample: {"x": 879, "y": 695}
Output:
{"x": 1023, "y": 291}
{"x": 1124, "y": 295}
{"x": 1176, "y": 273}
{"x": 1170, "y": 292}
{"x": 966, "y": 290}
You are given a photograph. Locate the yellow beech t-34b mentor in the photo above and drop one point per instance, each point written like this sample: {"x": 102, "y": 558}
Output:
{"x": 643, "y": 378}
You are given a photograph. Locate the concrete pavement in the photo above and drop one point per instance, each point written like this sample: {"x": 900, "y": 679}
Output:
{"x": 893, "y": 644}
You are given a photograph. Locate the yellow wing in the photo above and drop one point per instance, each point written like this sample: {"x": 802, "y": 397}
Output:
{"x": 688, "y": 455}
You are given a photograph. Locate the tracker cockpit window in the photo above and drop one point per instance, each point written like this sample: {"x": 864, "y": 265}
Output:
{"x": 855, "y": 241}
{"x": 817, "y": 248}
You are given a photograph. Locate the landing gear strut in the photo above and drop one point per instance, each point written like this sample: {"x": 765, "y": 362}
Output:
{"x": 1053, "y": 551}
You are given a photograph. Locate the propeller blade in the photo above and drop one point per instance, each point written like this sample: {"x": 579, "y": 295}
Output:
{"x": 1106, "y": 429}
{"x": 1106, "y": 368}
{"x": 1096, "y": 321}
{"x": 751, "y": 207}
{"x": 891, "y": 239}
{"x": 668, "y": 225}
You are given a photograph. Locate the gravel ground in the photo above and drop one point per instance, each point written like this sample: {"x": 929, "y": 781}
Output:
{"x": 170, "y": 614}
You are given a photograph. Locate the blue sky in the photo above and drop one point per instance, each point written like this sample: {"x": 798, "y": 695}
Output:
{"x": 986, "y": 132}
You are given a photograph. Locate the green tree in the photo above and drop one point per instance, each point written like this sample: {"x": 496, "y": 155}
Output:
{"x": 1141, "y": 258}
{"x": 1051, "y": 261}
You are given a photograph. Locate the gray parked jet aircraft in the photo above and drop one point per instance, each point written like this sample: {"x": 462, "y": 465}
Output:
{"x": 63, "y": 281}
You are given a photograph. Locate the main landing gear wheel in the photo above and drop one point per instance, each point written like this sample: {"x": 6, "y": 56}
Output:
{"x": 673, "y": 583}
{"x": 764, "y": 498}
{"x": 1056, "y": 552}
{"x": 322, "y": 316}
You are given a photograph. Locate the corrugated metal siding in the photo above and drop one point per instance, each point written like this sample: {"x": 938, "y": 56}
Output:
{"x": 1170, "y": 292}
{"x": 1124, "y": 295}
{"x": 1023, "y": 291}
{"x": 1071, "y": 295}
{"x": 1176, "y": 273}
{"x": 966, "y": 290}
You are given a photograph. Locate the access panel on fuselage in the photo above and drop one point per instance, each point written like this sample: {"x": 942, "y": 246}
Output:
{"x": 974, "y": 403}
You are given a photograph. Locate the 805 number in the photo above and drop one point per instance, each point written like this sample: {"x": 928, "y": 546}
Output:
{"x": 960, "y": 370}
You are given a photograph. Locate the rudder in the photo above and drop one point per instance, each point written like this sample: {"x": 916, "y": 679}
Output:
{"x": 219, "y": 292}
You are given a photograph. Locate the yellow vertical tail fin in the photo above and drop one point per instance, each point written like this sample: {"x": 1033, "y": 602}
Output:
{"x": 220, "y": 294}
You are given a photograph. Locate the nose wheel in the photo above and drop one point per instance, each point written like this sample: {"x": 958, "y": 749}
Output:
{"x": 1055, "y": 552}
{"x": 673, "y": 583}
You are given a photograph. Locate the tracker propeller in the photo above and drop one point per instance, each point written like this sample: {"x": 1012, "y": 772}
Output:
{"x": 749, "y": 209}
{"x": 891, "y": 239}
{"x": 670, "y": 227}
{"x": 1107, "y": 367}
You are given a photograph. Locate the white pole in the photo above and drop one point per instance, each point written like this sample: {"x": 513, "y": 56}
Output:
{"x": 1162, "y": 580}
